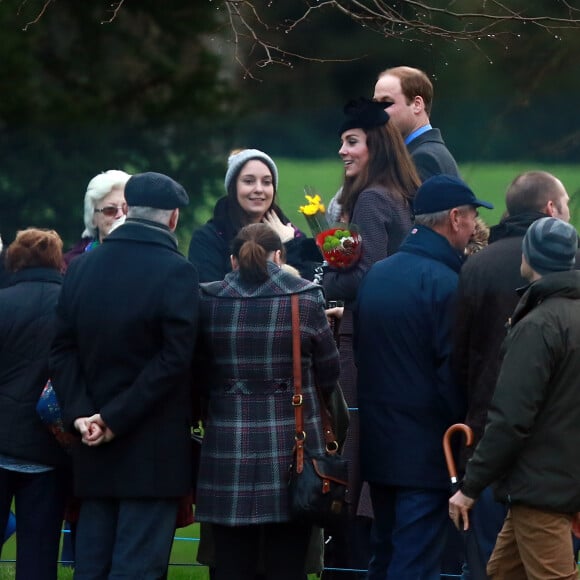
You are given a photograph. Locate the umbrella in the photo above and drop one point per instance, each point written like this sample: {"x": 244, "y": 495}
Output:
{"x": 475, "y": 562}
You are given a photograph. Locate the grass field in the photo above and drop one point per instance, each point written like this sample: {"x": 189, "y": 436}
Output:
{"x": 182, "y": 562}
{"x": 182, "y": 558}
{"x": 489, "y": 181}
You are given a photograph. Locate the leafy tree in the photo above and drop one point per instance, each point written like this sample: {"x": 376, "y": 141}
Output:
{"x": 81, "y": 96}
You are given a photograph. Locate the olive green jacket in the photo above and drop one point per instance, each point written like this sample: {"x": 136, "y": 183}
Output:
{"x": 530, "y": 444}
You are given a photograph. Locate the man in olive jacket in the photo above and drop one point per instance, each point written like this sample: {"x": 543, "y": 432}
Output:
{"x": 121, "y": 362}
{"x": 529, "y": 447}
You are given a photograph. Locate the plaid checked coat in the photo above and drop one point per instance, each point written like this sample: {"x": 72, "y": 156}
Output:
{"x": 245, "y": 343}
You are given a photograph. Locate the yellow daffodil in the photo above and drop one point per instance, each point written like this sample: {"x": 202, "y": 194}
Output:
{"x": 314, "y": 205}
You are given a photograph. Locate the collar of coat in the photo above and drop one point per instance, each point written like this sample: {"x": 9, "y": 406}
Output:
{"x": 35, "y": 275}
{"x": 140, "y": 230}
{"x": 278, "y": 283}
{"x": 516, "y": 225}
{"x": 426, "y": 242}
{"x": 559, "y": 284}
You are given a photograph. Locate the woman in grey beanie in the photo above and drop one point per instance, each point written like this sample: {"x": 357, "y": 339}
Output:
{"x": 251, "y": 184}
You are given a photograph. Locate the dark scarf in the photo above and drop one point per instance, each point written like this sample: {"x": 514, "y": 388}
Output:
{"x": 516, "y": 225}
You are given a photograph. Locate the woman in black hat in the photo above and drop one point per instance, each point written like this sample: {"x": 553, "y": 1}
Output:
{"x": 379, "y": 184}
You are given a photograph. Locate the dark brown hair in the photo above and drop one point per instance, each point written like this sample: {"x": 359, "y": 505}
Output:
{"x": 251, "y": 248}
{"x": 390, "y": 165}
{"x": 34, "y": 248}
{"x": 235, "y": 212}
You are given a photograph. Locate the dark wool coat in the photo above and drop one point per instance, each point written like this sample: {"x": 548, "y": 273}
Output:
{"x": 530, "y": 444}
{"x": 431, "y": 156}
{"x": 27, "y": 321}
{"x": 486, "y": 297}
{"x": 210, "y": 247}
{"x": 384, "y": 220}
{"x": 246, "y": 345}
{"x": 407, "y": 393}
{"x": 127, "y": 319}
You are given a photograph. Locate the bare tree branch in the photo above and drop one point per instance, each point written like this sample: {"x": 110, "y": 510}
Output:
{"x": 115, "y": 7}
{"x": 243, "y": 28}
{"x": 40, "y": 14}
{"x": 260, "y": 44}
{"x": 421, "y": 20}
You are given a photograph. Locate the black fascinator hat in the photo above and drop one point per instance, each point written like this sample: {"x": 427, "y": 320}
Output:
{"x": 363, "y": 113}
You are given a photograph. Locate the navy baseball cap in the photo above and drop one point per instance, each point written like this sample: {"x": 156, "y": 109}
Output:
{"x": 441, "y": 192}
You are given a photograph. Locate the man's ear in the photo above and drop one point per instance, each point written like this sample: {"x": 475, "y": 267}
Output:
{"x": 551, "y": 210}
{"x": 173, "y": 219}
{"x": 454, "y": 219}
{"x": 418, "y": 104}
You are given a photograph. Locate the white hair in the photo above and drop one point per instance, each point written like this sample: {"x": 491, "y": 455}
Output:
{"x": 152, "y": 214}
{"x": 435, "y": 219}
{"x": 99, "y": 187}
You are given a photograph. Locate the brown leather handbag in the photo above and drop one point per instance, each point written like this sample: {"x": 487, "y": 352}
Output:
{"x": 318, "y": 482}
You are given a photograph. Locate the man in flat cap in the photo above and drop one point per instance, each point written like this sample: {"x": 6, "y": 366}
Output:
{"x": 407, "y": 394}
{"x": 529, "y": 448}
{"x": 120, "y": 365}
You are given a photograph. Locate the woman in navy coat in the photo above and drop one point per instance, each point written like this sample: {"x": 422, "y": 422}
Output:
{"x": 32, "y": 463}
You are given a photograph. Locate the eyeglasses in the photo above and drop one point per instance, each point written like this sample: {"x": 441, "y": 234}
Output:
{"x": 112, "y": 210}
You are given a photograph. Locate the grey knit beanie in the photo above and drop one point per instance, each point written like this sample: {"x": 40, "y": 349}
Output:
{"x": 238, "y": 160}
{"x": 550, "y": 245}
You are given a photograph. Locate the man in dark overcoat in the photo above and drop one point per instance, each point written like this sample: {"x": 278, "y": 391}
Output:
{"x": 487, "y": 296}
{"x": 407, "y": 394}
{"x": 121, "y": 363}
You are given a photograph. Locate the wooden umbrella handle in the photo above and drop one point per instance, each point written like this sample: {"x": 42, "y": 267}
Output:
{"x": 447, "y": 447}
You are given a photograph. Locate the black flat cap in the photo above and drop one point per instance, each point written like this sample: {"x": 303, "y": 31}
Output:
{"x": 156, "y": 190}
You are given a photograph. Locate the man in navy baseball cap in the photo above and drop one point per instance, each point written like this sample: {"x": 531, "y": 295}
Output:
{"x": 443, "y": 192}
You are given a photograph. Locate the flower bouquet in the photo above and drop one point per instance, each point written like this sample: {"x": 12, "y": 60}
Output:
{"x": 341, "y": 244}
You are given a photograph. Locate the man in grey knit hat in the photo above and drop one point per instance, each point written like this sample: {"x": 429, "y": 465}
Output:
{"x": 529, "y": 447}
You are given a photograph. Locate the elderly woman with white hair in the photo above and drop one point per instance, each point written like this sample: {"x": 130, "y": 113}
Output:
{"x": 105, "y": 209}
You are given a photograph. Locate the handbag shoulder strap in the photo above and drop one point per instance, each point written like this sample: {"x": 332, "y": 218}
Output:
{"x": 298, "y": 399}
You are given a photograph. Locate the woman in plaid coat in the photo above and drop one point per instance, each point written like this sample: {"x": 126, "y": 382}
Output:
{"x": 245, "y": 346}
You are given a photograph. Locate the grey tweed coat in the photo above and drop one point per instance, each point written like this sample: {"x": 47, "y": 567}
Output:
{"x": 245, "y": 343}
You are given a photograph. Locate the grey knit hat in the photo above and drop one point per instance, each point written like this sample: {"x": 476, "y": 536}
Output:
{"x": 550, "y": 245}
{"x": 238, "y": 160}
